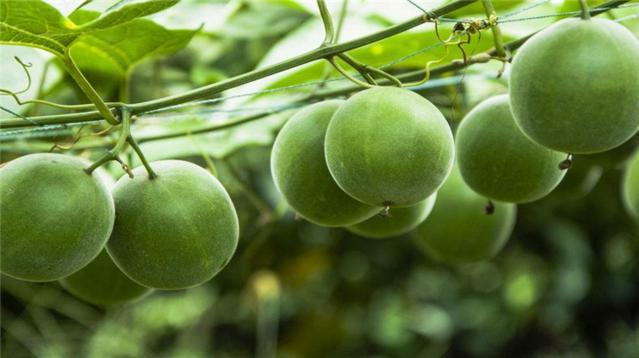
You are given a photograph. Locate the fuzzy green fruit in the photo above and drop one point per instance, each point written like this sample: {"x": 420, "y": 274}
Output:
{"x": 102, "y": 283}
{"x": 389, "y": 147}
{"x": 580, "y": 180}
{"x": 173, "y": 231}
{"x": 459, "y": 230}
{"x": 498, "y": 161}
{"x": 55, "y": 217}
{"x": 574, "y": 86}
{"x": 614, "y": 158}
{"x": 398, "y": 221}
{"x": 301, "y": 175}
{"x": 630, "y": 187}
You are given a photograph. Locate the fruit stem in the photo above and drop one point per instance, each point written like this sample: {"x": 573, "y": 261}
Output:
{"x": 329, "y": 29}
{"x": 489, "y": 209}
{"x": 585, "y": 10}
{"x": 359, "y": 67}
{"x": 339, "y": 69}
{"x": 87, "y": 89}
{"x": 492, "y": 21}
{"x": 366, "y": 70}
{"x": 566, "y": 163}
{"x": 119, "y": 145}
{"x": 152, "y": 175}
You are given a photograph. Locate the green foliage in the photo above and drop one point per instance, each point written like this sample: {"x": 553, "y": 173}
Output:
{"x": 459, "y": 229}
{"x": 113, "y": 51}
{"x": 388, "y": 146}
{"x": 216, "y": 144}
{"x": 55, "y": 217}
{"x": 501, "y": 7}
{"x": 498, "y": 161}
{"x": 271, "y": 17}
{"x": 37, "y": 24}
{"x": 125, "y": 11}
{"x": 630, "y": 186}
{"x": 102, "y": 283}
{"x": 580, "y": 103}
{"x": 174, "y": 231}
{"x": 396, "y": 222}
{"x": 301, "y": 175}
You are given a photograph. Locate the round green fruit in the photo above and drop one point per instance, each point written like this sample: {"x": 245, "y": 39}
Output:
{"x": 301, "y": 175}
{"x": 102, "y": 283}
{"x": 459, "y": 230}
{"x": 389, "y": 147}
{"x": 498, "y": 161}
{"x": 580, "y": 180}
{"x": 574, "y": 86}
{"x": 55, "y": 217}
{"x": 174, "y": 231}
{"x": 398, "y": 221}
{"x": 630, "y": 187}
{"x": 614, "y": 158}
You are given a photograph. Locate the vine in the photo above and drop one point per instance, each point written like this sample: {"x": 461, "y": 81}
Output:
{"x": 105, "y": 110}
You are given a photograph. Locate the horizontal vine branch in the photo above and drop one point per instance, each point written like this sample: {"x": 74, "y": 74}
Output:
{"x": 319, "y": 53}
{"x": 210, "y": 90}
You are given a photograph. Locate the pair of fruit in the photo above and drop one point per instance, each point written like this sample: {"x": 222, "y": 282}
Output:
{"x": 340, "y": 163}
{"x": 173, "y": 231}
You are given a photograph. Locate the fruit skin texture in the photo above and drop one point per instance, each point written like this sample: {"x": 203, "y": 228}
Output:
{"x": 389, "y": 147}
{"x": 630, "y": 187}
{"x": 498, "y": 161}
{"x": 174, "y": 231}
{"x": 398, "y": 222}
{"x": 574, "y": 86}
{"x": 301, "y": 175}
{"x": 458, "y": 230}
{"x": 55, "y": 217}
{"x": 102, "y": 283}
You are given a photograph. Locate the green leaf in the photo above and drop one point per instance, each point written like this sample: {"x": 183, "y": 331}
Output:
{"x": 127, "y": 10}
{"x": 117, "y": 49}
{"x": 261, "y": 19}
{"x": 501, "y": 8}
{"x": 35, "y": 23}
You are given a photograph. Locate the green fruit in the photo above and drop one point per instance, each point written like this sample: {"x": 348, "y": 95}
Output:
{"x": 398, "y": 221}
{"x": 301, "y": 175}
{"x": 459, "y": 230}
{"x": 55, "y": 217}
{"x": 102, "y": 283}
{"x": 630, "y": 187}
{"x": 173, "y": 231}
{"x": 498, "y": 161}
{"x": 614, "y": 158}
{"x": 389, "y": 147}
{"x": 574, "y": 86}
{"x": 579, "y": 181}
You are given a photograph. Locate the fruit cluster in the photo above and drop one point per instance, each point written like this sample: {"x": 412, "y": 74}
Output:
{"x": 379, "y": 164}
{"x": 172, "y": 231}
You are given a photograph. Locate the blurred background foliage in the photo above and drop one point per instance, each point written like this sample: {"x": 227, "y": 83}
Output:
{"x": 566, "y": 284}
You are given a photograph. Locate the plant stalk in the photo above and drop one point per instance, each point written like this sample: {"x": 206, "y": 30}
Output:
{"x": 494, "y": 27}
